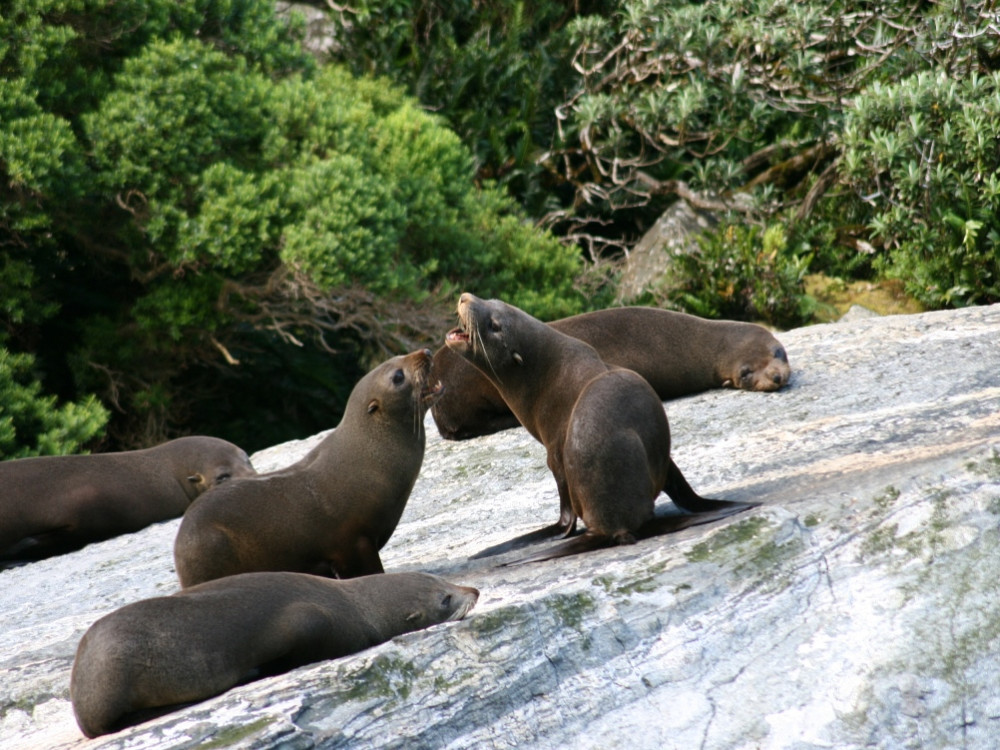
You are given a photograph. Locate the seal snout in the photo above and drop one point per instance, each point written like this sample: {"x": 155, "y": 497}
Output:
{"x": 432, "y": 391}
{"x": 429, "y": 387}
{"x": 460, "y": 334}
{"x": 467, "y": 599}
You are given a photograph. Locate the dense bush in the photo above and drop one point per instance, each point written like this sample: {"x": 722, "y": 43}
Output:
{"x": 869, "y": 129}
{"x": 197, "y": 216}
{"x": 496, "y": 71}
{"x": 923, "y": 157}
{"x": 191, "y": 204}
{"x": 31, "y": 424}
{"x": 744, "y": 273}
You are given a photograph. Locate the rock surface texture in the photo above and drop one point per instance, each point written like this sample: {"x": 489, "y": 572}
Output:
{"x": 856, "y": 608}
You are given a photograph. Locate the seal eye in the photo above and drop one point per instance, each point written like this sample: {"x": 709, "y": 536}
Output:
{"x": 446, "y": 602}
{"x": 398, "y": 377}
{"x": 222, "y": 477}
{"x": 494, "y": 326}
{"x": 780, "y": 354}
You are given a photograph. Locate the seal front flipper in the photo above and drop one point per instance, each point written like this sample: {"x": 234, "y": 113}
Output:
{"x": 363, "y": 560}
{"x": 687, "y": 499}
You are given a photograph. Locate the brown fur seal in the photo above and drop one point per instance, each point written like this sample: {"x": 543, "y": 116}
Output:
{"x": 331, "y": 512}
{"x": 155, "y": 655}
{"x": 603, "y": 427}
{"x": 678, "y": 354}
{"x": 55, "y": 504}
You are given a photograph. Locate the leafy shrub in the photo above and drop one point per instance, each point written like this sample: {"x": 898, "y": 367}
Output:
{"x": 31, "y": 424}
{"x": 495, "y": 71}
{"x": 745, "y": 273}
{"x": 203, "y": 200}
{"x": 923, "y": 156}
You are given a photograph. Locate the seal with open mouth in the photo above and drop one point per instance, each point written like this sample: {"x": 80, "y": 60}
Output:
{"x": 331, "y": 512}
{"x": 604, "y": 429}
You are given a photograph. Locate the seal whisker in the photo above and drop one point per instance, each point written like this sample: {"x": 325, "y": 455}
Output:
{"x": 478, "y": 347}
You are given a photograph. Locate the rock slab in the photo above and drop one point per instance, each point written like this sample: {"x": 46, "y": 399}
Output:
{"x": 856, "y": 608}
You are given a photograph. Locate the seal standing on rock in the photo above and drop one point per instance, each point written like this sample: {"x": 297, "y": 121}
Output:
{"x": 603, "y": 427}
{"x": 331, "y": 512}
{"x": 678, "y": 354}
{"x": 152, "y": 656}
{"x": 55, "y": 504}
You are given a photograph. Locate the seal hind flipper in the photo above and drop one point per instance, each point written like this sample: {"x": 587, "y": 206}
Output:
{"x": 659, "y": 525}
{"x": 544, "y": 534}
{"x": 585, "y": 542}
{"x": 687, "y": 499}
{"x": 656, "y": 526}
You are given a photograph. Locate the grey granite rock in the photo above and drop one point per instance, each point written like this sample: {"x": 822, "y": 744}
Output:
{"x": 856, "y": 608}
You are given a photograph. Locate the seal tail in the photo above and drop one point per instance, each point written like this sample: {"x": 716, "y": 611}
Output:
{"x": 687, "y": 499}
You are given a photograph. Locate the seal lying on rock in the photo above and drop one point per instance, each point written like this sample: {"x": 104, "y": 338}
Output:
{"x": 55, "y": 504}
{"x": 156, "y": 655}
{"x": 678, "y": 354}
{"x": 603, "y": 427}
{"x": 331, "y": 512}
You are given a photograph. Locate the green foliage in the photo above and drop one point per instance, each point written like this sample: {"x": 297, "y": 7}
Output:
{"x": 31, "y": 424}
{"x": 765, "y": 97}
{"x": 745, "y": 273}
{"x": 182, "y": 189}
{"x": 675, "y": 89}
{"x": 923, "y": 157}
{"x": 495, "y": 71}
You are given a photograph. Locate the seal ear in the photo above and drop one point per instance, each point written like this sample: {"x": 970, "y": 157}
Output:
{"x": 373, "y": 406}
{"x": 196, "y": 479}
{"x": 517, "y": 359}
{"x": 413, "y": 617}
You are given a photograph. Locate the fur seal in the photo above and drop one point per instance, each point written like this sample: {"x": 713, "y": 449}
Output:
{"x": 156, "y": 655}
{"x": 55, "y": 504}
{"x": 331, "y": 512}
{"x": 678, "y": 354}
{"x": 603, "y": 427}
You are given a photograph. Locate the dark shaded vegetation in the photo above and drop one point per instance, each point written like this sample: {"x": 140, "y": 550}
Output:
{"x": 206, "y": 228}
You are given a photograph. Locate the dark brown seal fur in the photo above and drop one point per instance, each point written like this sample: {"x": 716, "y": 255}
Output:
{"x": 156, "y": 655}
{"x": 331, "y": 512}
{"x": 678, "y": 354}
{"x": 55, "y": 504}
{"x": 603, "y": 427}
